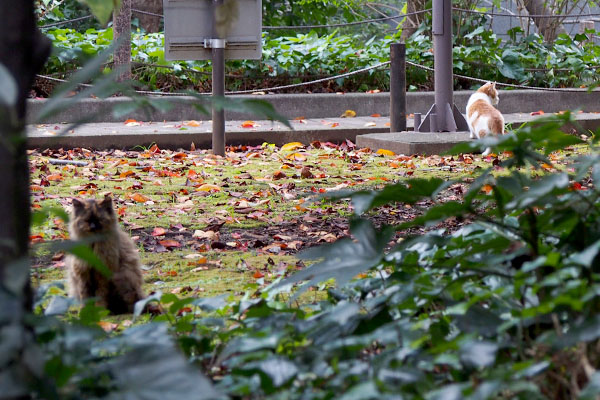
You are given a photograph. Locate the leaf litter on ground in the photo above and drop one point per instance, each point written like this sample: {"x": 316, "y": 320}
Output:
{"x": 200, "y": 217}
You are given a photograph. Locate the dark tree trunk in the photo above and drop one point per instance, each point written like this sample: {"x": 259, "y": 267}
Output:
{"x": 412, "y": 22}
{"x": 122, "y": 32}
{"x": 549, "y": 28}
{"x": 149, "y": 23}
{"x": 23, "y": 51}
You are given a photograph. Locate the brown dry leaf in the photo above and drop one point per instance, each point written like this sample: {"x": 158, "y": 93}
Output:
{"x": 306, "y": 174}
{"x": 125, "y": 174}
{"x": 139, "y": 198}
{"x": 487, "y": 189}
{"x": 107, "y": 326}
{"x": 54, "y": 177}
{"x": 158, "y": 231}
{"x": 210, "y": 235}
{"x": 279, "y": 175}
{"x": 168, "y": 243}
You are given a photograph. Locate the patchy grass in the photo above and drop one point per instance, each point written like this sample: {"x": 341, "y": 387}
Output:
{"x": 209, "y": 225}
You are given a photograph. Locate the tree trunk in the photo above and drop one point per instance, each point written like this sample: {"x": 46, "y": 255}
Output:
{"x": 149, "y": 23}
{"x": 549, "y": 28}
{"x": 23, "y": 51}
{"x": 122, "y": 33}
{"x": 412, "y": 22}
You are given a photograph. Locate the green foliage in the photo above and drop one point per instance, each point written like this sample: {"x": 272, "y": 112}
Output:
{"x": 479, "y": 53}
{"x": 497, "y": 308}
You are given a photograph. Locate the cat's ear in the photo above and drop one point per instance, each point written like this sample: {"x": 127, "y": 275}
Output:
{"x": 78, "y": 206}
{"x": 107, "y": 203}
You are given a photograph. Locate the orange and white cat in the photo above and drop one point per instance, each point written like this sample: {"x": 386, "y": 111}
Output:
{"x": 482, "y": 117}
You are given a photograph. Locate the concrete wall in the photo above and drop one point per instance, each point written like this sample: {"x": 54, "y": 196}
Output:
{"x": 322, "y": 106}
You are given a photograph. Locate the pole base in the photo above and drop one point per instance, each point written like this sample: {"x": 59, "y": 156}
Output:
{"x": 451, "y": 120}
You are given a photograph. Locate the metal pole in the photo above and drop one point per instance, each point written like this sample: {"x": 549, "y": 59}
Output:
{"x": 442, "y": 50}
{"x": 398, "y": 87}
{"x": 218, "y": 86}
{"x": 447, "y": 117}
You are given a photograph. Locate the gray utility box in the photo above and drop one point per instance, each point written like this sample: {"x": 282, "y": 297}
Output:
{"x": 190, "y": 29}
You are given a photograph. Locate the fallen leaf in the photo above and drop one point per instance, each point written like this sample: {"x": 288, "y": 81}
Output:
{"x": 540, "y": 112}
{"x": 368, "y": 124}
{"x": 55, "y": 177}
{"x": 159, "y": 231}
{"x": 170, "y": 243}
{"x": 139, "y": 198}
{"x": 108, "y": 326}
{"x": 292, "y": 146}
{"x": 385, "y": 152}
{"x": 376, "y": 115}
{"x": 192, "y": 123}
{"x": 207, "y": 187}
{"x": 258, "y": 275}
{"x": 348, "y": 114}
{"x": 279, "y": 175}
{"x": 249, "y": 124}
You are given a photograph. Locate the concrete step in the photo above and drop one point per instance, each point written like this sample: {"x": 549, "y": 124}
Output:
{"x": 370, "y": 132}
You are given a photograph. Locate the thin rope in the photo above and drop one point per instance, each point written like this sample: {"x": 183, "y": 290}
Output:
{"x": 366, "y": 21}
{"x": 65, "y": 22}
{"x": 568, "y": 90}
{"x": 146, "y": 92}
{"x": 358, "y": 71}
{"x": 525, "y": 16}
{"x": 135, "y": 10}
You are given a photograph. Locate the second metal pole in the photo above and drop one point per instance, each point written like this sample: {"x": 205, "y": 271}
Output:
{"x": 218, "y": 87}
{"x": 218, "y": 92}
{"x": 398, "y": 87}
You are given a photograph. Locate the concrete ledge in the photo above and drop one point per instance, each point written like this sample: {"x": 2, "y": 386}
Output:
{"x": 323, "y": 105}
{"x": 170, "y": 136}
{"x": 413, "y": 142}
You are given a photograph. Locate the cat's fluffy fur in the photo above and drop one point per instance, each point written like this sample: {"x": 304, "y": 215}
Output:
{"x": 114, "y": 247}
{"x": 482, "y": 117}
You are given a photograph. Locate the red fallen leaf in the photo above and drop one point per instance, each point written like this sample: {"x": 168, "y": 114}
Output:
{"x": 335, "y": 124}
{"x": 36, "y": 238}
{"x": 128, "y": 121}
{"x": 170, "y": 243}
{"x": 258, "y": 275}
{"x": 184, "y": 310}
{"x": 36, "y": 188}
{"x": 121, "y": 211}
{"x": 577, "y": 186}
{"x": 540, "y": 112}
{"x": 249, "y": 124}
{"x": 154, "y": 149}
{"x": 159, "y": 231}
{"x": 376, "y": 115}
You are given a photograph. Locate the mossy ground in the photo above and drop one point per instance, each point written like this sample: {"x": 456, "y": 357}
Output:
{"x": 209, "y": 225}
